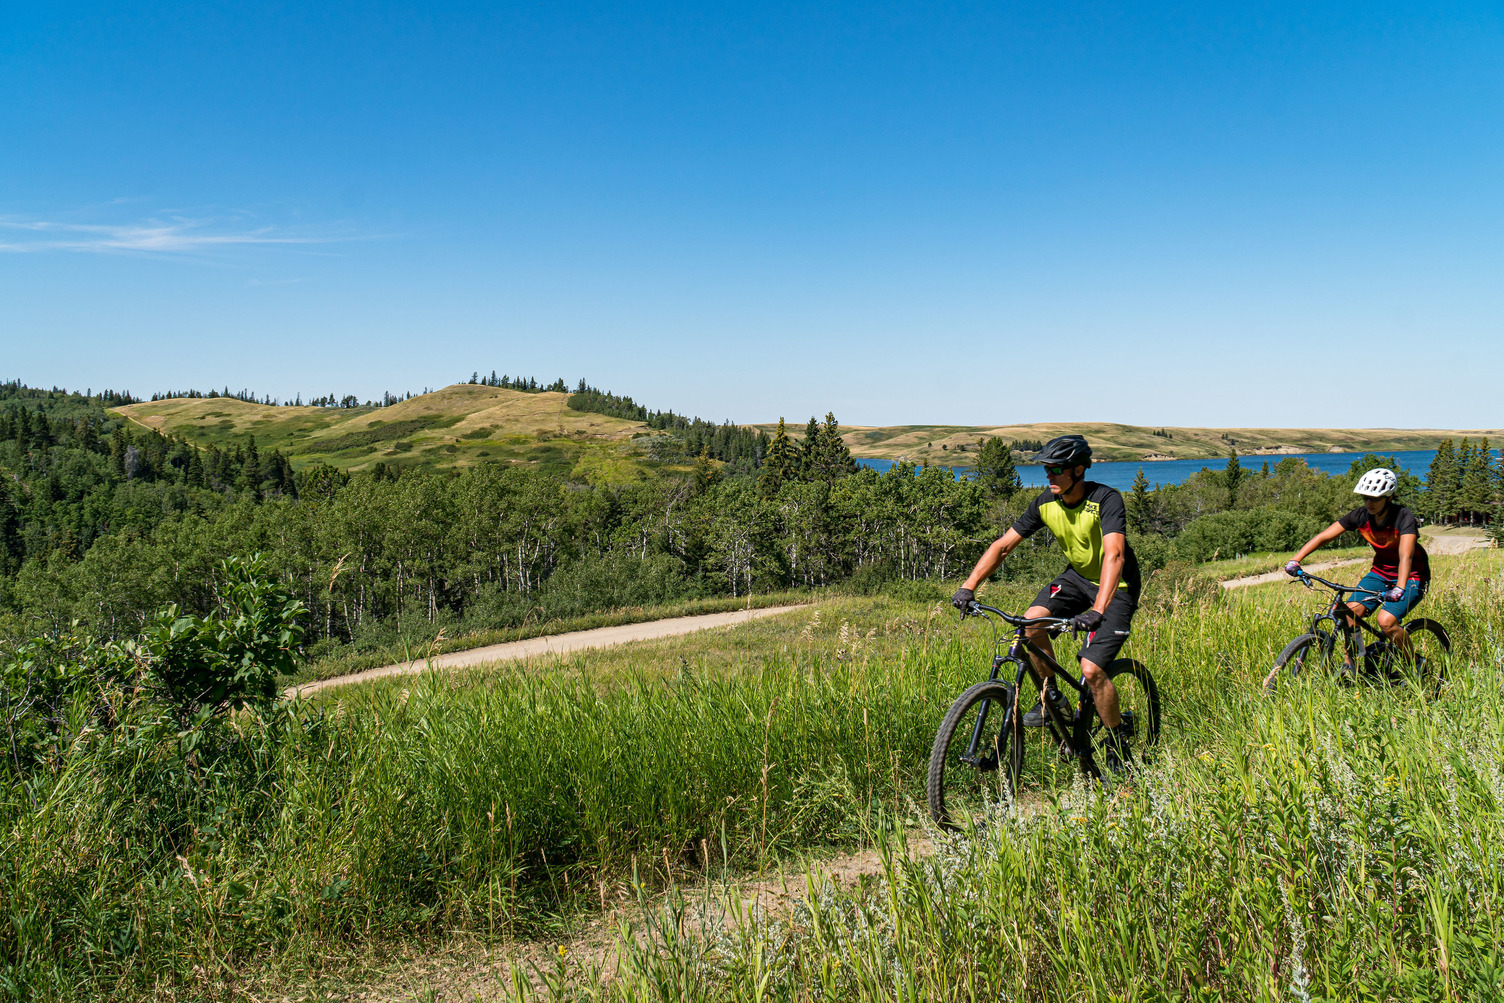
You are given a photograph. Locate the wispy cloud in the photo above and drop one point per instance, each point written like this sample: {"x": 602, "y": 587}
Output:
{"x": 173, "y": 234}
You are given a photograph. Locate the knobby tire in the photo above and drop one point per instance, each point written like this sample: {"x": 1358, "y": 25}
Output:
{"x": 1002, "y": 746}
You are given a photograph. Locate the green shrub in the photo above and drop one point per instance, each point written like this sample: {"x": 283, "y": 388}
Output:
{"x": 1244, "y": 531}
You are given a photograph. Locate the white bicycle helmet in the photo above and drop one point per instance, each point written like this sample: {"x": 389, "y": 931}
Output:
{"x": 1379, "y": 482}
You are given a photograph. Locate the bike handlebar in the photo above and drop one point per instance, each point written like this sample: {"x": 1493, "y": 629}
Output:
{"x": 1306, "y": 578}
{"x": 1055, "y": 624}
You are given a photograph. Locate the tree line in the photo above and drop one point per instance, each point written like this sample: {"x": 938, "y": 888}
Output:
{"x": 104, "y": 523}
{"x": 1464, "y": 484}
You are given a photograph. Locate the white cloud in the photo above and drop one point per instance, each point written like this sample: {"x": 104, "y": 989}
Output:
{"x": 171, "y": 235}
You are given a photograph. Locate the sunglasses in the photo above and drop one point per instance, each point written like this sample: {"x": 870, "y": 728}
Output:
{"x": 1057, "y": 471}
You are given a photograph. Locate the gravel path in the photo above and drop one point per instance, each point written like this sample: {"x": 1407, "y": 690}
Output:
{"x": 1437, "y": 546}
{"x": 601, "y": 637}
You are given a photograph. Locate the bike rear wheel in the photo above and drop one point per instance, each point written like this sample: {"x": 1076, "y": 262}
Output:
{"x": 1429, "y": 642}
{"x": 1138, "y": 703}
{"x": 977, "y": 757}
{"x": 1306, "y": 652}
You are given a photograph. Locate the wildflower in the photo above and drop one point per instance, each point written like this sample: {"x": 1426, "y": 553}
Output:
{"x": 563, "y": 951}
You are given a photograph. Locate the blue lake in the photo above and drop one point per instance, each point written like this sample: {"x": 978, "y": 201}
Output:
{"x": 1120, "y": 474}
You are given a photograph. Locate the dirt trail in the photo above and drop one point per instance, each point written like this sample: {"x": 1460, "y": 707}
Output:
{"x": 600, "y": 637}
{"x": 1275, "y": 576}
{"x": 1438, "y": 546}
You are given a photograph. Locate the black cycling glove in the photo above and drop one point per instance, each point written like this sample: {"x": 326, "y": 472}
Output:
{"x": 963, "y": 598}
{"x": 1088, "y": 621}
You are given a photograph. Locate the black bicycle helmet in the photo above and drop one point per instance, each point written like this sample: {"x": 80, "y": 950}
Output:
{"x": 1065, "y": 451}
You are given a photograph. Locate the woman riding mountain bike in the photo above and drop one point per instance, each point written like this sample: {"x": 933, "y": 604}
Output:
{"x": 1401, "y": 571}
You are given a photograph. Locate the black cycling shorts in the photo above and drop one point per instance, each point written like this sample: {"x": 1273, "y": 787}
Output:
{"x": 1071, "y": 593}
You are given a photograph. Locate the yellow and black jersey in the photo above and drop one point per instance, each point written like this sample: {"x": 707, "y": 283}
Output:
{"x": 1079, "y": 529}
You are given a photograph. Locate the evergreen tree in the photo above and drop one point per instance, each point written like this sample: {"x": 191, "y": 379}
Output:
{"x": 706, "y": 471}
{"x": 1441, "y": 483}
{"x": 780, "y": 464}
{"x": 1475, "y": 490}
{"x": 1140, "y": 503}
{"x": 809, "y": 451}
{"x": 1498, "y": 488}
{"x": 1232, "y": 476}
{"x": 994, "y": 468}
{"x": 249, "y": 478}
{"x": 832, "y": 458}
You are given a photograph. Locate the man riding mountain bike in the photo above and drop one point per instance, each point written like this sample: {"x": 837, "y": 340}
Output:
{"x": 1401, "y": 571}
{"x": 1099, "y": 589}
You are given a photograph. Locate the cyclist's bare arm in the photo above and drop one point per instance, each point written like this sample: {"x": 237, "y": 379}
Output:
{"x": 1325, "y": 536}
{"x": 1407, "y": 553}
{"x": 1001, "y": 548}
{"x": 1114, "y": 548}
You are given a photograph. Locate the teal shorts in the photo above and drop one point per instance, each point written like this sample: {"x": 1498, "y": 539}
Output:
{"x": 1415, "y": 590}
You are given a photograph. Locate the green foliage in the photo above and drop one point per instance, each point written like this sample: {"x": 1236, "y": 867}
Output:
{"x": 1232, "y": 534}
{"x": 208, "y": 665}
{"x": 1359, "y": 831}
{"x": 780, "y": 463}
{"x": 378, "y": 432}
{"x": 994, "y": 468}
{"x": 1443, "y": 482}
{"x": 1232, "y": 477}
{"x": 742, "y": 448}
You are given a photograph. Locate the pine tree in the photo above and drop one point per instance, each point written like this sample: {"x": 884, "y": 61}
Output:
{"x": 1475, "y": 493}
{"x": 809, "y": 451}
{"x": 833, "y": 458}
{"x": 780, "y": 464}
{"x": 995, "y": 469}
{"x": 1232, "y": 476}
{"x": 1441, "y": 482}
{"x": 707, "y": 471}
{"x": 1140, "y": 504}
{"x": 1497, "y": 497}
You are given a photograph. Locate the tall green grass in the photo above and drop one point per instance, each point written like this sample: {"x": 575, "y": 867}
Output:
{"x": 487, "y": 801}
{"x": 1332, "y": 843}
{"x": 1327, "y": 839}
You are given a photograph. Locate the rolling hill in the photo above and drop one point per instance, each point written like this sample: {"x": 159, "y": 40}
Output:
{"x": 457, "y": 426}
{"x": 1133, "y": 442}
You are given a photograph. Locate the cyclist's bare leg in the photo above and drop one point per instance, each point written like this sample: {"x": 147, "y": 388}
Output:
{"x": 1357, "y": 611}
{"x": 1395, "y": 631}
{"x": 1103, "y": 693}
{"x": 1040, "y": 637}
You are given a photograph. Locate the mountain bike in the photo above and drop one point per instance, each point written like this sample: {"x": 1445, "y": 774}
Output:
{"x": 979, "y": 749}
{"x": 1375, "y": 660}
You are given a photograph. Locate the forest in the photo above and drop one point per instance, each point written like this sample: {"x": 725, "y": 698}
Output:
{"x": 103, "y": 523}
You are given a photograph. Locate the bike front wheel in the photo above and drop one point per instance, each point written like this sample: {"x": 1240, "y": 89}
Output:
{"x": 977, "y": 757}
{"x": 1308, "y": 651}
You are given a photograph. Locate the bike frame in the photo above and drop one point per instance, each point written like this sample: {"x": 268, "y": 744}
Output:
{"x": 1350, "y": 626}
{"x": 1074, "y": 736}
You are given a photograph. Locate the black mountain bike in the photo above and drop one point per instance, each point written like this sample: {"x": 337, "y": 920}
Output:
{"x": 980, "y": 745}
{"x": 1374, "y": 660}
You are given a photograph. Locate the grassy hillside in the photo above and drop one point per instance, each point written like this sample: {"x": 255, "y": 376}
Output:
{"x": 1134, "y": 442}
{"x": 456, "y": 426}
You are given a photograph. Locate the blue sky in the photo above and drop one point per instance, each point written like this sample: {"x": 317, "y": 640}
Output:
{"x": 1196, "y": 215}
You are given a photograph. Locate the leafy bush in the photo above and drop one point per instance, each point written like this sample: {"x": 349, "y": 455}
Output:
{"x": 1246, "y": 531}
{"x": 205, "y": 665}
